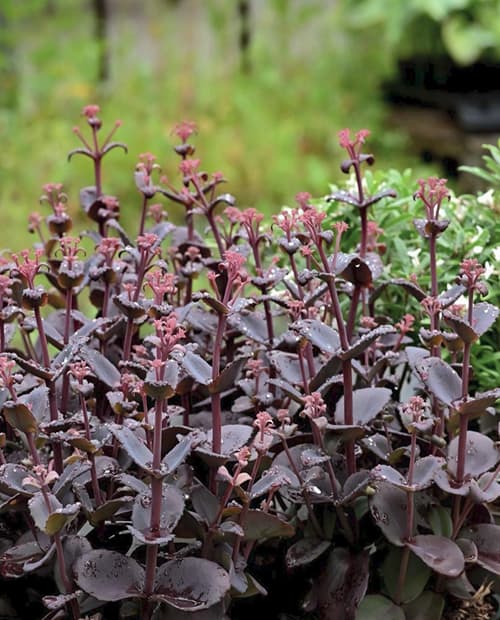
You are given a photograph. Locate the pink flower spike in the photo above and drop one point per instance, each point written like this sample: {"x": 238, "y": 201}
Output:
{"x": 79, "y": 370}
{"x": 91, "y": 111}
{"x": 233, "y": 263}
{"x": 264, "y": 424}
{"x": 184, "y": 130}
{"x": 315, "y": 406}
{"x": 406, "y": 323}
{"x": 362, "y": 135}
{"x": 302, "y": 199}
{"x": 243, "y": 456}
{"x": 188, "y": 167}
{"x": 345, "y": 138}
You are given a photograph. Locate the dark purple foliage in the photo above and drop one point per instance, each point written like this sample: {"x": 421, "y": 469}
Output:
{"x": 177, "y": 408}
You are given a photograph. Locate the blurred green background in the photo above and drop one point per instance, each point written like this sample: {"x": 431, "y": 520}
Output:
{"x": 268, "y": 103}
{"x": 269, "y": 83}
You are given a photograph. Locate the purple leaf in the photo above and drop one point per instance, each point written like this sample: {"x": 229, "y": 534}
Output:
{"x": 287, "y": 366}
{"x": 379, "y": 445}
{"x": 450, "y": 296}
{"x": 205, "y": 503}
{"x": 385, "y": 473}
{"x": 486, "y": 537}
{"x": 483, "y": 317}
{"x": 355, "y": 485}
{"x": 113, "y": 145}
{"x": 489, "y": 481}
{"x": 441, "y": 554}
{"x": 460, "y": 326}
{"x": 178, "y": 454}
{"x": 234, "y": 437}
{"x": 251, "y": 325}
{"x": 448, "y": 484}
{"x": 320, "y": 335}
{"x": 288, "y": 389}
{"x": 385, "y": 193}
{"x": 353, "y": 268}
{"x": 417, "y": 575}
{"x": 11, "y": 480}
{"x": 276, "y": 476}
{"x": 411, "y": 288}
{"x": 172, "y": 507}
{"x": 342, "y": 195}
{"x": 228, "y": 376}
{"x": 165, "y": 388}
{"x": 481, "y": 454}
{"x": 469, "y": 549}
{"x": 440, "y": 379}
{"x": 367, "y": 404}
{"x": 20, "y": 558}
{"x": 415, "y": 355}
{"x": 260, "y": 525}
{"x": 80, "y": 151}
{"x": 375, "y": 264}
{"x": 51, "y": 520}
{"x": 133, "y": 446}
{"x": 191, "y": 583}
{"x": 108, "y": 575}
{"x": 38, "y": 401}
{"x": 346, "y": 432}
{"x": 425, "y": 470}
{"x": 342, "y": 584}
{"x": 19, "y": 416}
{"x": 305, "y": 551}
{"x": 325, "y": 373}
{"x": 101, "y": 366}
{"x": 389, "y": 510}
{"x": 477, "y": 406}
{"x": 196, "y": 367}
{"x": 109, "y": 508}
{"x": 365, "y": 341}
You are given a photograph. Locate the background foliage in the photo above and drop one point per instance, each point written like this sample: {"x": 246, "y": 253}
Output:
{"x": 273, "y": 125}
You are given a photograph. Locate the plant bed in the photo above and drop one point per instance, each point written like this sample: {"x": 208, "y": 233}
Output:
{"x": 216, "y": 422}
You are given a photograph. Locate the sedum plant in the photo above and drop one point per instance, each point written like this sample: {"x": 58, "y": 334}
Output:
{"x": 182, "y": 406}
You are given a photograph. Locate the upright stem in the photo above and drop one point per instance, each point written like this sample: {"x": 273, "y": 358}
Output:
{"x": 363, "y": 212}
{"x": 156, "y": 500}
{"x": 127, "y": 343}
{"x": 54, "y": 414}
{"x": 67, "y": 329}
{"x": 433, "y": 265}
{"x": 346, "y": 364}
{"x": 216, "y": 401}
{"x": 88, "y": 436}
{"x": 351, "y": 319}
{"x": 216, "y": 233}
{"x": 267, "y": 304}
{"x": 43, "y": 339}
{"x": 410, "y": 516}
{"x": 464, "y": 419}
{"x": 305, "y": 495}
{"x": 462, "y": 447}
{"x": 348, "y": 414}
{"x": 143, "y": 214}
{"x": 68, "y": 585}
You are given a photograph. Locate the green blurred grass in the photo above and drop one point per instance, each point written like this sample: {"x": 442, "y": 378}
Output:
{"x": 271, "y": 132}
